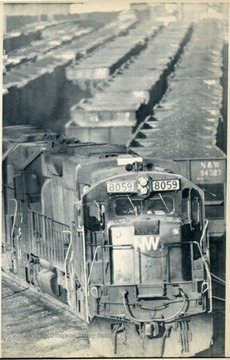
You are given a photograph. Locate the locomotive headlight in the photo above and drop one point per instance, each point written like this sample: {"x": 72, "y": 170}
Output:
{"x": 143, "y": 181}
{"x": 143, "y": 186}
{"x": 143, "y": 190}
{"x": 175, "y": 231}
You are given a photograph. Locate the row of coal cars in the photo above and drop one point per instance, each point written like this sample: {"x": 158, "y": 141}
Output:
{"x": 51, "y": 38}
{"x": 35, "y": 74}
{"x": 15, "y": 39}
{"x": 122, "y": 100}
{"x": 109, "y": 59}
{"x": 190, "y": 110}
{"x": 166, "y": 102}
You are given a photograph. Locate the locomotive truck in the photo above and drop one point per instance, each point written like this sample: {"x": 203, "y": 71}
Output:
{"x": 122, "y": 239}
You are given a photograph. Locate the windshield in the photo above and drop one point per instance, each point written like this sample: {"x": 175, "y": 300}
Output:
{"x": 156, "y": 205}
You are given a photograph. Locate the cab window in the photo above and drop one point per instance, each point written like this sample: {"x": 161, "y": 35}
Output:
{"x": 191, "y": 206}
{"x": 160, "y": 204}
{"x": 195, "y": 207}
{"x": 156, "y": 205}
{"x": 95, "y": 216}
{"x": 127, "y": 206}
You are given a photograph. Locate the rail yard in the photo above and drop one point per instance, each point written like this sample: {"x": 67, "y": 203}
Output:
{"x": 114, "y": 183}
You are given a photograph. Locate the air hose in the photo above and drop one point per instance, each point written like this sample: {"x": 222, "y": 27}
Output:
{"x": 136, "y": 320}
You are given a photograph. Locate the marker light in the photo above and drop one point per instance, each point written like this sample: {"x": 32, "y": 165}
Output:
{"x": 143, "y": 186}
{"x": 85, "y": 189}
{"x": 175, "y": 231}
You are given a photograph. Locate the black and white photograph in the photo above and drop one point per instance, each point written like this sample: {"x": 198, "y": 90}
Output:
{"x": 114, "y": 179}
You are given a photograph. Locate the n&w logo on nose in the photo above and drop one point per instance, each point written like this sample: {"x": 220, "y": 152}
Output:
{"x": 146, "y": 243}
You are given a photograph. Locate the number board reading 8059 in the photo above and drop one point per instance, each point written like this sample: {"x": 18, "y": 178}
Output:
{"x": 166, "y": 185}
{"x": 120, "y": 186}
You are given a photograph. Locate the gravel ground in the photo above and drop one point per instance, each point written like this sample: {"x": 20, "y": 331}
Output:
{"x": 33, "y": 328}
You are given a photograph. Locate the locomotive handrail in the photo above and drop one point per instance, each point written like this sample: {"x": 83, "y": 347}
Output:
{"x": 43, "y": 228}
{"x": 67, "y": 254}
{"x": 71, "y": 258}
{"x": 204, "y": 232}
{"x": 14, "y": 216}
{"x": 223, "y": 282}
{"x": 208, "y": 274}
{"x": 70, "y": 243}
{"x": 8, "y": 151}
{"x": 95, "y": 253}
{"x": 94, "y": 259}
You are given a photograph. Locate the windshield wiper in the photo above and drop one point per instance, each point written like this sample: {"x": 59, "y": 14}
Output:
{"x": 133, "y": 206}
{"x": 164, "y": 202}
{"x": 99, "y": 208}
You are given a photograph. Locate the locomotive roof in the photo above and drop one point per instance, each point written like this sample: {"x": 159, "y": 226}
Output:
{"x": 71, "y": 155}
{"x": 96, "y": 162}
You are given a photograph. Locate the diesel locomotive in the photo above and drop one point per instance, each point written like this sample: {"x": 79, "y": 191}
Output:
{"x": 122, "y": 239}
